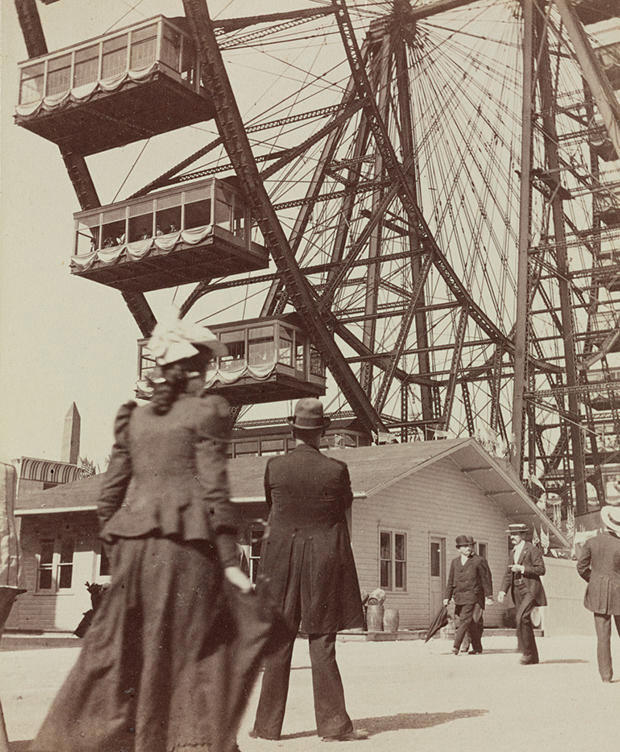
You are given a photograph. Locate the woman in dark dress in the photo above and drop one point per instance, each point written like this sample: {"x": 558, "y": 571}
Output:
{"x": 156, "y": 672}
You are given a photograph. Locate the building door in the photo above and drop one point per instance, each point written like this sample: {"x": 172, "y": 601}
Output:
{"x": 438, "y": 572}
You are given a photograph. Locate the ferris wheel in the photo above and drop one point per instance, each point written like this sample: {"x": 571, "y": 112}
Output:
{"x": 425, "y": 196}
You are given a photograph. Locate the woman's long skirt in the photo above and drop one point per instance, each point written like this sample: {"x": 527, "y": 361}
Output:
{"x": 164, "y": 666}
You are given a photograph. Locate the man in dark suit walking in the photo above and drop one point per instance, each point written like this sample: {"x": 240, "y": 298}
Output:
{"x": 471, "y": 587}
{"x": 522, "y": 581}
{"x": 307, "y": 569}
{"x": 599, "y": 565}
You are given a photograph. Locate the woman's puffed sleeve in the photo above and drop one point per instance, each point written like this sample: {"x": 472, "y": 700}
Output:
{"x": 213, "y": 434}
{"x": 118, "y": 474}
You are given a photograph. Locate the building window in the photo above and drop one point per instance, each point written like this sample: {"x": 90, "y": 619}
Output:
{"x": 46, "y": 566}
{"x": 255, "y": 546}
{"x": 55, "y": 565}
{"x": 104, "y": 564}
{"x": 392, "y": 560}
{"x": 482, "y": 549}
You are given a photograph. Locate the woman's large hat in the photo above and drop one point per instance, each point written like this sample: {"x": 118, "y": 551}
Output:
{"x": 309, "y": 414}
{"x": 610, "y": 515}
{"x": 175, "y": 339}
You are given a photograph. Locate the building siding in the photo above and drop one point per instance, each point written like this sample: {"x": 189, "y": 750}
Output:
{"x": 438, "y": 501}
{"x": 47, "y": 611}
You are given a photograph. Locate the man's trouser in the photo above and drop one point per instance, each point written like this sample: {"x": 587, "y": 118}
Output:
{"x": 602, "y": 623}
{"x": 329, "y": 706}
{"x": 469, "y": 616}
{"x": 525, "y": 604}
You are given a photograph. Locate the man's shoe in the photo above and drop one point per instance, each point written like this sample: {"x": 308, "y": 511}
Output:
{"x": 455, "y": 651}
{"x": 475, "y": 652}
{"x": 528, "y": 661}
{"x": 255, "y": 735}
{"x": 349, "y": 736}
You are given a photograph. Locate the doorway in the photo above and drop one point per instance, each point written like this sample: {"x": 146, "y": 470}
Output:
{"x": 437, "y": 566}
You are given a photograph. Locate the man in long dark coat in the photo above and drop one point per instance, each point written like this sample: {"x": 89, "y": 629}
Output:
{"x": 522, "y": 581}
{"x": 471, "y": 587}
{"x": 308, "y": 570}
{"x": 599, "y": 565}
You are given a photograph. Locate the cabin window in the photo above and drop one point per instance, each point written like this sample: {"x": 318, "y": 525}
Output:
{"x": 197, "y": 208}
{"x": 55, "y": 564}
{"x": 86, "y": 66}
{"x": 87, "y": 235}
{"x": 168, "y": 215}
{"x": 58, "y": 75}
{"x": 143, "y": 47}
{"x": 141, "y": 221}
{"x": 261, "y": 346}
{"x": 147, "y": 364}
{"x": 392, "y": 560}
{"x": 246, "y": 447}
{"x": 113, "y": 228}
{"x": 271, "y": 447}
{"x": 223, "y": 207}
{"x": 285, "y": 346}
{"x": 238, "y": 218}
{"x": 317, "y": 367}
{"x": 300, "y": 353}
{"x": 171, "y": 48}
{"x": 31, "y": 85}
{"x": 188, "y": 62}
{"x": 114, "y": 61}
{"x": 235, "y": 359}
{"x": 482, "y": 549}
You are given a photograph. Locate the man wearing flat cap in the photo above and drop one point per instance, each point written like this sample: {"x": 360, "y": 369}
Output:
{"x": 307, "y": 569}
{"x": 471, "y": 587}
{"x": 522, "y": 581}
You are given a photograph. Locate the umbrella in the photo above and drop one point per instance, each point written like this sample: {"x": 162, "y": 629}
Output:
{"x": 438, "y": 622}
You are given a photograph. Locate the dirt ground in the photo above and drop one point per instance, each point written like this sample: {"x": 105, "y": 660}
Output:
{"x": 407, "y": 695}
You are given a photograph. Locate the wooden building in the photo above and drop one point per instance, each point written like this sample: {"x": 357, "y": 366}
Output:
{"x": 410, "y": 502}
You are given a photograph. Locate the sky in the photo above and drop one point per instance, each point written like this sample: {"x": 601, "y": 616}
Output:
{"x": 64, "y": 339}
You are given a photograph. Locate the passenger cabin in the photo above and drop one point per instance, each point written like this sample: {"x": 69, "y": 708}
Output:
{"x": 609, "y": 396}
{"x": 171, "y": 237}
{"x": 127, "y": 85}
{"x": 607, "y": 202}
{"x": 593, "y": 11}
{"x": 607, "y": 271}
{"x": 605, "y": 328}
{"x": 608, "y": 56}
{"x": 268, "y": 438}
{"x": 268, "y": 360}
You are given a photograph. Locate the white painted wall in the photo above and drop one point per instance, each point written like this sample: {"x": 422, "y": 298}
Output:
{"x": 440, "y": 500}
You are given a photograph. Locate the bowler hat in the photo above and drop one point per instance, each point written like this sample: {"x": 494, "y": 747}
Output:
{"x": 309, "y": 415}
{"x": 464, "y": 540}
{"x": 517, "y": 528}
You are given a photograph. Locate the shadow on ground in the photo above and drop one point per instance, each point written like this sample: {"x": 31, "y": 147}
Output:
{"x": 401, "y": 721}
{"x": 565, "y": 660}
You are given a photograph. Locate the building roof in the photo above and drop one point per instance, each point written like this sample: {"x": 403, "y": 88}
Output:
{"x": 371, "y": 469}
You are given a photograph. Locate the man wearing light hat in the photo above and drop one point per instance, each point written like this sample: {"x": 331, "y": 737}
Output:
{"x": 522, "y": 581}
{"x": 599, "y": 565}
{"x": 471, "y": 587}
{"x": 307, "y": 569}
